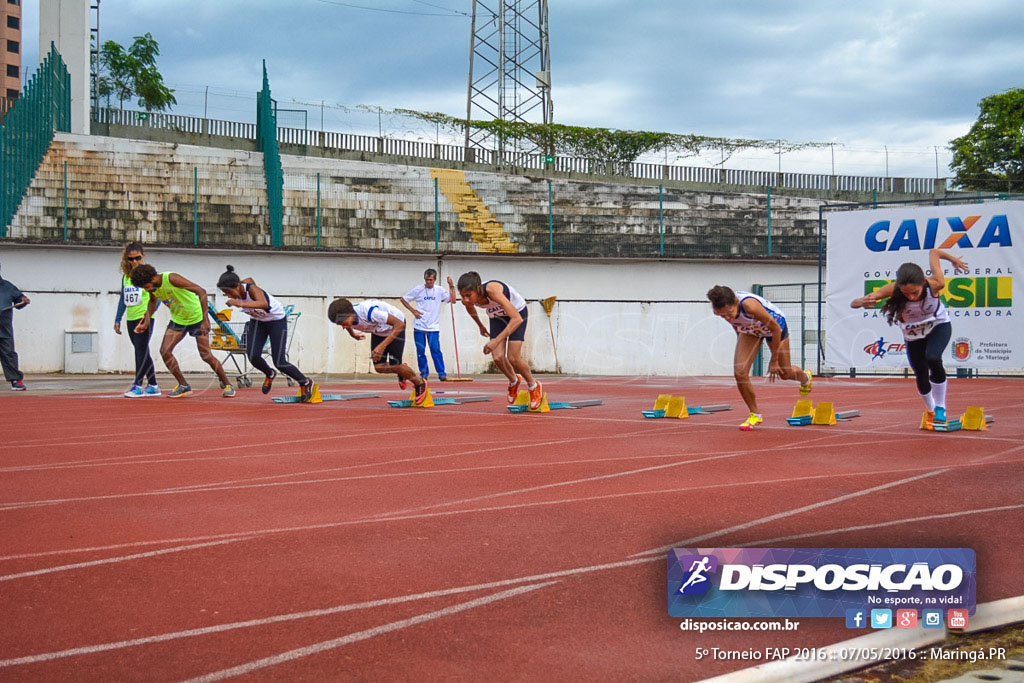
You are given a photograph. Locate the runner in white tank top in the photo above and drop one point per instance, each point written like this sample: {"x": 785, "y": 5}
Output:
{"x": 913, "y": 303}
{"x": 267, "y": 323}
{"x": 754, "y": 318}
{"x": 507, "y": 311}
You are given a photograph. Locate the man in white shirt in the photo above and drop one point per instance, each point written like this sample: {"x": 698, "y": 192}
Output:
{"x": 426, "y": 300}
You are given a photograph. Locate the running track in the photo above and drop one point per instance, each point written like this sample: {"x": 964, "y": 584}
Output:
{"x": 205, "y": 539}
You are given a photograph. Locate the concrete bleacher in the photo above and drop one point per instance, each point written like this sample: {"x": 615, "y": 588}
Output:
{"x": 166, "y": 193}
{"x": 602, "y": 219}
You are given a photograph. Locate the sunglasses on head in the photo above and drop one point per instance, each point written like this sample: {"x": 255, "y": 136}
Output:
{"x": 134, "y": 258}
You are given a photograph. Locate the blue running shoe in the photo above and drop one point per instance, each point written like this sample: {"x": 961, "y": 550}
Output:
{"x": 940, "y": 414}
{"x": 134, "y": 392}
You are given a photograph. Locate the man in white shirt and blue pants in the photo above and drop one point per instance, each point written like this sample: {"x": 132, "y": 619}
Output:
{"x": 426, "y": 308}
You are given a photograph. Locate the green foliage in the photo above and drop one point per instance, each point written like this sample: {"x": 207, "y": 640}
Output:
{"x": 611, "y": 151}
{"x": 133, "y": 72}
{"x": 991, "y": 155}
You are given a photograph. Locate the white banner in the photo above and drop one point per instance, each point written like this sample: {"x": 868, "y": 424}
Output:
{"x": 866, "y": 247}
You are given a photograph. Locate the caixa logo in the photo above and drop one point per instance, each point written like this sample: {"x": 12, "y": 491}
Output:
{"x": 882, "y": 236}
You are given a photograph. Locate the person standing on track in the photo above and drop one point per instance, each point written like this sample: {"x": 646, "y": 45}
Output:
{"x": 134, "y": 301}
{"x": 267, "y": 321}
{"x": 189, "y": 306}
{"x": 10, "y": 298}
{"x": 426, "y": 331}
{"x": 755, "y": 318}
{"x": 914, "y": 305}
{"x": 506, "y": 309}
{"x": 386, "y": 326}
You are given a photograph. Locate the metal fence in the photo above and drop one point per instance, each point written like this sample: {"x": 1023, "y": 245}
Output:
{"x": 513, "y": 161}
{"x": 28, "y": 127}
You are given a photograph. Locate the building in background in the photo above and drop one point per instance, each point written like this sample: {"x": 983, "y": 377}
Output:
{"x": 10, "y": 50}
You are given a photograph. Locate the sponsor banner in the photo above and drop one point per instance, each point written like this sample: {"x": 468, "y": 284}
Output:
{"x": 817, "y": 582}
{"x": 865, "y": 248}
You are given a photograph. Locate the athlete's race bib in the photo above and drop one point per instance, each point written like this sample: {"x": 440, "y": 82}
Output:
{"x": 132, "y": 296}
{"x": 918, "y": 329}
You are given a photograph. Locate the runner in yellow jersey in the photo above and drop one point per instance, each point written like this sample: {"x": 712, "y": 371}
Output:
{"x": 188, "y": 305}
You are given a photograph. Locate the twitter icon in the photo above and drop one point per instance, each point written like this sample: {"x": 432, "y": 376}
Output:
{"x": 881, "y": 618}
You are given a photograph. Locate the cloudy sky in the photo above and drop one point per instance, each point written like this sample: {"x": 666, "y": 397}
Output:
{"x": 889, "y": 83}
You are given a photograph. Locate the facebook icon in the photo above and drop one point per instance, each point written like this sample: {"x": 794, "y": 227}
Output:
{"x": 856, "y": 618}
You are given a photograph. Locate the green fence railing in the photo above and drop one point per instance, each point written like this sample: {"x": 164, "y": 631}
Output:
{"x": 44, "y": 107}
{"x": 266, "y": 142}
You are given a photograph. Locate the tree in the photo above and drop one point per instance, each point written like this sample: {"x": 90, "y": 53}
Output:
{"x": 133, "y": 72}
{"x": 991, "y": 155}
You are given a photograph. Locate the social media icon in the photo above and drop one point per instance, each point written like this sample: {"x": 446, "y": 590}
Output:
{"x": 856, "y": 618}
{"x": 906, "y": 618}
{"x": 932, "y": 618}
{"x": 957, "y": 618}
{"x": 881, "y": 618}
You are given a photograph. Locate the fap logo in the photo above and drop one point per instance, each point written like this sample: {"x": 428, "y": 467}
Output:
{"x": 878, "y": 348}
{"x": 962, "y": 349}
{"x": 695, "y": 580}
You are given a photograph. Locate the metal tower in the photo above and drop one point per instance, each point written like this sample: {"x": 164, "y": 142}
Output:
{"x": 509, "y": 66}
{"x": 94, "y": 53}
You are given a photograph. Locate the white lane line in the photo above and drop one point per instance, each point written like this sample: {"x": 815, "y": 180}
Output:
{"x": 126, "y": 460}
{"x": 383, "y": 629}
{"x": 568, "y": 573}
{"x": 125, "y": 558}
{"x": 689, "y": 542}
{"x": 327, "y": 525}
{"x": 250, "y": 623}
{"x": 642, "y": 470}
{"x": 205, "y": 488}
{"x": 879, "y": 525}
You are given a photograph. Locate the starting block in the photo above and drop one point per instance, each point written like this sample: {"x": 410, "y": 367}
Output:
{"x": 671, "y": 406}
{"x": 522, "y": 404}
{"x": 320, "y": 398}
{"x": 440, "y": 401}
{"x": 975, "y": 419}
{"x": 806, "y": 413}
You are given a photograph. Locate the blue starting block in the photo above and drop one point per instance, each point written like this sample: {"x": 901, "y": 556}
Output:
{"x": 442, "y": 401}
{"x": 690, "y": 410}
{"x": 558, "y": 405}
{"x": 326, "y": 397}
{"x": 800, "y": 421}
{"x": 950, "y": 426}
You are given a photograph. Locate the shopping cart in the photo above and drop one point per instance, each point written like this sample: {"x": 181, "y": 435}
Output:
{"x": 229, "y": 336}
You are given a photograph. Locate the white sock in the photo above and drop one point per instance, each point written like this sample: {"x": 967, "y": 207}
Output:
{"x": 533, "y": 386}
{"x": 514, "y": 382}
{"x": 939, "y": 392}
{"x": 929, "y": 402}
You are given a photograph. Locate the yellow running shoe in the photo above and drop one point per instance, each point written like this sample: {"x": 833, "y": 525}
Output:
{"x": 753, "y": 420}
{"x": 805, "y": 389}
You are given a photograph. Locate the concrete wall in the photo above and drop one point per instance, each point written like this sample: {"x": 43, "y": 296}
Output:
{"x": 621, "y": 317}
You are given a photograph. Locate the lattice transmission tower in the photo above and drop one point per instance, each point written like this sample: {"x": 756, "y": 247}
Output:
{"x": 509, "y": 67}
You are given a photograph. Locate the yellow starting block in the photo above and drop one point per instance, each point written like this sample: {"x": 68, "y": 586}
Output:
{"x": 428, "y": 401}
{"x": 974, "y": 419}
{"x": 523, "y": 399}
{"x": 803, "y": 408}
{"x": 824, "y": 414}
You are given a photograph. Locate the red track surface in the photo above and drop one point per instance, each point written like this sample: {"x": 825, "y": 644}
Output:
{"x": 164, "y": 540}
